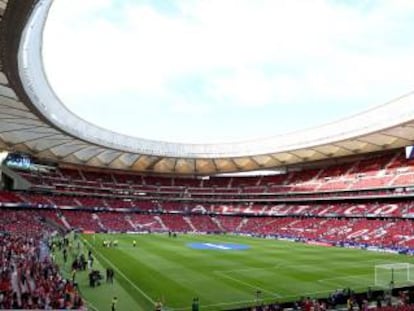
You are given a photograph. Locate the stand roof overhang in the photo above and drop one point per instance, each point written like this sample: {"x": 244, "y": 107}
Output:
{"x": 33, "y": 120}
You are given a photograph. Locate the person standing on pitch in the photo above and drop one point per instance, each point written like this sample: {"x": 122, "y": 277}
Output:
{"x": 158, "y": 306}
{"x": 195, "y": 304}
{"x": 114, "y": 302}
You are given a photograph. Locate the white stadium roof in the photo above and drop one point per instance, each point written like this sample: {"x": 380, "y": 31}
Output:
{"x": 33, "y": 120}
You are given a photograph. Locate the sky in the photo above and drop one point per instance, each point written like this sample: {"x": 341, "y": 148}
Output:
{"x": 212, "y": 71}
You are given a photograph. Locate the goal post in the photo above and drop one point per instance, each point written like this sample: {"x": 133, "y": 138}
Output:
{"x": 394, "y": 274}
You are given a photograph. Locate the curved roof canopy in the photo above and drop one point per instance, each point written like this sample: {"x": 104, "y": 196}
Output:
{"x": 34, "y": 120}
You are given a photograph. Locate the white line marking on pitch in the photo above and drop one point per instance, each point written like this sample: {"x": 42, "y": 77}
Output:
{"x": 346, "y": 277}
{"x": 90, "y": 304}
{"x": 123, "y": 275}
{"x": 247, "y": 284}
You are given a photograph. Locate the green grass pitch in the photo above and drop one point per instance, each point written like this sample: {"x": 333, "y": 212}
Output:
{"x": 166, "y": 269}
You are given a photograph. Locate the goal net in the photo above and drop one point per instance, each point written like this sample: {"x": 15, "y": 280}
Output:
{"x": 394, "y": 274}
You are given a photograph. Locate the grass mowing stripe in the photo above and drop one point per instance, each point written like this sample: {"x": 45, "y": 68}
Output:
{"x": 121, "y": 274}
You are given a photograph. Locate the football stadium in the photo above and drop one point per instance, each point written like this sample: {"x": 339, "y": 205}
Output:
{"x": 94, "y": 219}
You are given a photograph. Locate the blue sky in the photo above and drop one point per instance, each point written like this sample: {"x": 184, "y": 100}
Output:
{"x": 226, "y": 70}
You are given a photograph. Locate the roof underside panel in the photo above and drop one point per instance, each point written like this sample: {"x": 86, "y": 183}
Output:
{"x": 204, "y": 166}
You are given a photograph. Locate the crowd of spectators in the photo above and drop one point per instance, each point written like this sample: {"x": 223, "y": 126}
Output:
{"x": 29, "y": 279}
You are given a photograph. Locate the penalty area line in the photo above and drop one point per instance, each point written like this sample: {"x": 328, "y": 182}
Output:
{"x": 122, "y": 274}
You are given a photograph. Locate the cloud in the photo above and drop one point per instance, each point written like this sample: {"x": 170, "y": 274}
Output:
{"x": 199, "y": 59}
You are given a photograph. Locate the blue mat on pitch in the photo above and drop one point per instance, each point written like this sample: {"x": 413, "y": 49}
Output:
{"x": 219, "y": 246}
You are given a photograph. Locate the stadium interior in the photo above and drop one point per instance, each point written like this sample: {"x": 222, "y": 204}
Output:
{"x": 354, "y": 192}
